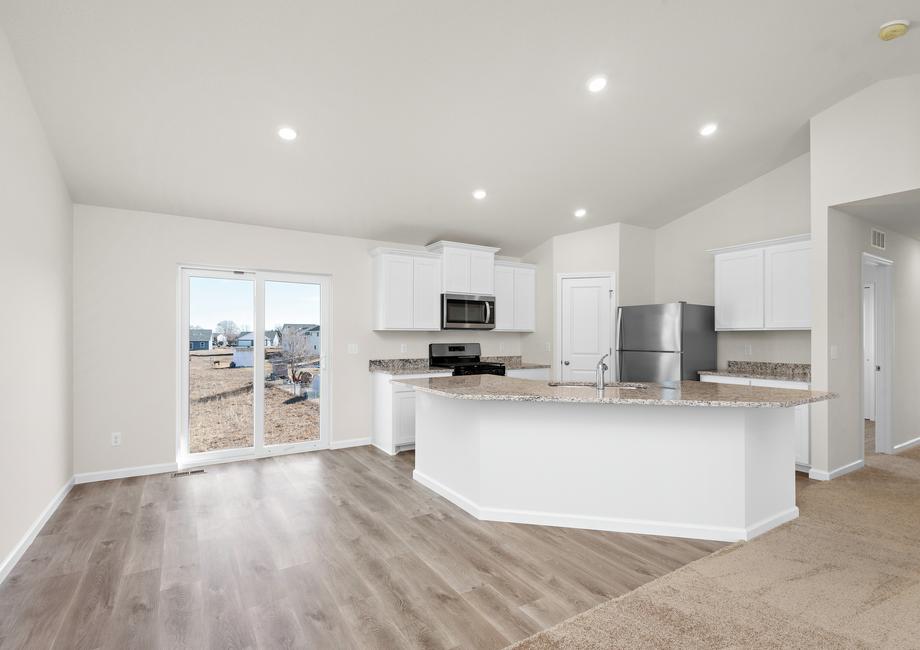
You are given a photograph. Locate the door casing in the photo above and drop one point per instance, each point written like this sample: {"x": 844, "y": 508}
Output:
{"x": 259, "y": 450}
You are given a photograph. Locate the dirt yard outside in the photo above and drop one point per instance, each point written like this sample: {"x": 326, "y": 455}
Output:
{"x": 220, "y": 406}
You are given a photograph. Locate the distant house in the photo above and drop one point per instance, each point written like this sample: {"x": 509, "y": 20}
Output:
{"x": 199, "y": 339}
{"x": 271, "y": 339}
{"x": 309, "y": 331}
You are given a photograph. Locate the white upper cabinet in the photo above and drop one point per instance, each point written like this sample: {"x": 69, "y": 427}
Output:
{"x": 407, "y": 290}
{"x": 739, "y": 290}
{"x": 764, "y": 286}
{"x": 787, "y": 286}
{"x": 466, "y": 268}
{"x": 515, "y": 291}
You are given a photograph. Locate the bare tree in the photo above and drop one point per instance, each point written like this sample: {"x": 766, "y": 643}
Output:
{"x": 296, "y": 352}
{"x": 229, "y": 329}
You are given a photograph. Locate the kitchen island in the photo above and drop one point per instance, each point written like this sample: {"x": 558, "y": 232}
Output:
{"x": 693, "y": 459}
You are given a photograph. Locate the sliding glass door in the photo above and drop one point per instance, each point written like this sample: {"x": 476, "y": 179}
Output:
{"x": 254, "y": 373}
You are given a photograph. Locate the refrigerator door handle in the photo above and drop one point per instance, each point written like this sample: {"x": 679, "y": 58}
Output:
{"x": 618, "y": 333}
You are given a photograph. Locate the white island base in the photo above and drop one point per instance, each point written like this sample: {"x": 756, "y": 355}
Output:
{"x": 703, "y": 472}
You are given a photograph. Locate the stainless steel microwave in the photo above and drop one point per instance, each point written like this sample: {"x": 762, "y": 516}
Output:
{"x": 462, "y": 312}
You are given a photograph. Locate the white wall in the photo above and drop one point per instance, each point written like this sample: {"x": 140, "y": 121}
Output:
{"x": 125, "y": 286}
{"x": 774, "y": 205}
{"x": 627, "y": 251}
{"x": 36, "y": 459}
{"x": 866, "y": 146}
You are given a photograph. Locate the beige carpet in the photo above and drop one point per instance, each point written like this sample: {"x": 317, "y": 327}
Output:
{"x": 845, "y": 574}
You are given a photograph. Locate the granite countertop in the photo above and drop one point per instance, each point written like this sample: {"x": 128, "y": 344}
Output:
{"x": 686, "y": 393}
{"x": 765, "y": 370}
{"x": 398, "y": 367}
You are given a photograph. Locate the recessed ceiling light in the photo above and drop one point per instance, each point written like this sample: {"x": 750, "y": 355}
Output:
{"x": 709, "y": 129}
{"x": 479, "y": 195}
{"x": 580, "y": 212}
{"x": 597, "y": 83}
{"x": 287, "y": 133}
{"x": 894, "y": 29}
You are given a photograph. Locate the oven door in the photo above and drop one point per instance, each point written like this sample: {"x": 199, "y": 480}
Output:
{"x": 460, "y": 312}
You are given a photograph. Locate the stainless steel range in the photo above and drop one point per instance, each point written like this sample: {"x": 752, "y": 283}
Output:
{"x": 462, "y": 358}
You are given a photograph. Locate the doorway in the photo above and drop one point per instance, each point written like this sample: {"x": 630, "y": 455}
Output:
{"x": 877, "y": 353}
{"x": 254, "y": 378}
{"x": 585, "y": 308}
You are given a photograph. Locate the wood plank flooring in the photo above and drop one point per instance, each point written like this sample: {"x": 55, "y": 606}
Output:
{"x": 330, "y": 549}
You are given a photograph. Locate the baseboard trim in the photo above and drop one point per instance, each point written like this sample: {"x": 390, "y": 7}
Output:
{"x": 907, "y": 445}
{"x": 821, "y": 475}
{"x": 124, "y": 472}
{"x": 611, "y": 524}
{"x": 6, "y": 566}
{"x": 353, "y": 442}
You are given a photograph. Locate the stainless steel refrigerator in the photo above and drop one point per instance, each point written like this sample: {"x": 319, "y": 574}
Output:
{"x": 665, "y": 343}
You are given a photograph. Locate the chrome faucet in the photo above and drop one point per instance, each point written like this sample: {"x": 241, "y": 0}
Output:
{"x": 600, "y": 369}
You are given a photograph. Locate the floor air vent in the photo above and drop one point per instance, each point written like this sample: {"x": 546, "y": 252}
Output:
{"x": 187, "y": 473}
{"x": 878, "y": 239}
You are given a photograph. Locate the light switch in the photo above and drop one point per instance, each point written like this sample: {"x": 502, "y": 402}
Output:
{"x": 834, "y": 352}
{"x": 546, "y": 347}
{"x": 352, "y": 348}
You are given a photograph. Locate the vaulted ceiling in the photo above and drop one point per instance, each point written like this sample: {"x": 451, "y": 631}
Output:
{"x": 404, "y": 107}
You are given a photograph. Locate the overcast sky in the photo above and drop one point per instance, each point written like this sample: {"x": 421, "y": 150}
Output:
{"x": 212, "y": 300}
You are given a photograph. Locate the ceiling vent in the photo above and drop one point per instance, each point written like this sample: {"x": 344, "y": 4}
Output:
{"x": 878, "y": 239}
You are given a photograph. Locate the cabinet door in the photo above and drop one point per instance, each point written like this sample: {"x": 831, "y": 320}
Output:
{"x": 456, "y": 271}
{"x": 787, "y": 286}
{"x": 426, "y": 295}
{"x": 739, "y": 290}
{"x": 525, "y": 286}
{"x": 403, "y": 417}
{"x": 397, "y": 292}
{"x": 504, "y": 298}
{"x": 482, "y": 273}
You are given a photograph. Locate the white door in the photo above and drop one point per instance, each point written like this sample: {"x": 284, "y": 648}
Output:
{"x": 869, "y": 351}
{"x": 587, "y": 316}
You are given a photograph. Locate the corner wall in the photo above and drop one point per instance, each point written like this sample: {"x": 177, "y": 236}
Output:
{"x": 36, "y": 262}
{"x": 771, "y": 206}
{"x": 126, "y": 268}
{"x": 866, "y": 146}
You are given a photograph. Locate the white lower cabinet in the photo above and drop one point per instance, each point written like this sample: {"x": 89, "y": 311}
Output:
{"x": 394, "y": 411}
{"x": 802, "y": 413}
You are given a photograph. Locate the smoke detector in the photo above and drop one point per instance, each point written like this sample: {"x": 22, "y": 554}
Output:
{"x": 894, "y": 29}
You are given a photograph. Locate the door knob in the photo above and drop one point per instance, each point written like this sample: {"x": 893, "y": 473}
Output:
{"x": 565, "y": 362}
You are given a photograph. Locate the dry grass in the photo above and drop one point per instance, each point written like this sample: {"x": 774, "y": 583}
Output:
{"x": 220, "y": 407}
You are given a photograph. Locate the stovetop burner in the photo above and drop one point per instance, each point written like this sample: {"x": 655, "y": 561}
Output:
{"x": 463, "y": 358}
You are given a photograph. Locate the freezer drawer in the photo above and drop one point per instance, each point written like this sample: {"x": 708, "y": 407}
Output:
{"x": 658, "y": 367}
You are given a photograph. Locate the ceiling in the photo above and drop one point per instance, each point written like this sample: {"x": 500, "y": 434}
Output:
{"x": 403, "y": 107}
{"x": 898, "y": 212}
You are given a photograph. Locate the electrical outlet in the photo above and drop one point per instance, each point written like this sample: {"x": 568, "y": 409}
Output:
{"x": 501, "y": 348}
{"x": 835, "y": 353}
{"x": 116, "y": 439}
{"x": 352, "y": 348}
{"x": 403, "y": 348}
{"x": 748, "y": 350}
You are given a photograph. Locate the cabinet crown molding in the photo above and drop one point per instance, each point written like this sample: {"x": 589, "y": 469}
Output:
{"x": 516, "y": 265}
{"x": 438, "y": 246}
{"x": 385, "y": 250}
{"x": 761, "y": 244}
